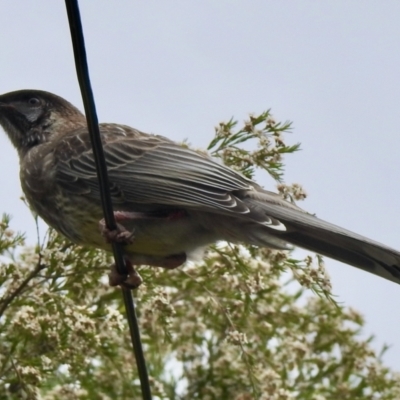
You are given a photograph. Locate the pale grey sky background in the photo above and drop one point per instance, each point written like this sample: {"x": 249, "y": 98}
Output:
{"x": 177, "y": 68}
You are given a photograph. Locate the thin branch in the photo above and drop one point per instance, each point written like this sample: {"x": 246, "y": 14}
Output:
{"x": 6, "y": 302}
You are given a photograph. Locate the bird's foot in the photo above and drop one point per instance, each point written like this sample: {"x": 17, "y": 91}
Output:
{"x": 121, "y": 234}
{"x": 131, "y": 280}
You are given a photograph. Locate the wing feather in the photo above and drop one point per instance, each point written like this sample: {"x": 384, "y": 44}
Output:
{"x": 149, "y": 169}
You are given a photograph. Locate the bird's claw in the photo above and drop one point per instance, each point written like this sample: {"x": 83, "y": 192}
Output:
{"x": 119, "y": 235}
{"x": 131, "y": 280}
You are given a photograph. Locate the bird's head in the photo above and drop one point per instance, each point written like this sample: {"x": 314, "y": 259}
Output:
{"x": 32, "y": 117}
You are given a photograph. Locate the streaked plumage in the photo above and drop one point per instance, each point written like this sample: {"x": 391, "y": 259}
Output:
{"x": 157, "y": 178}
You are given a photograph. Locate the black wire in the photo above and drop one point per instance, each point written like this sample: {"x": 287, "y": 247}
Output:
{"x": 82, "y": 70}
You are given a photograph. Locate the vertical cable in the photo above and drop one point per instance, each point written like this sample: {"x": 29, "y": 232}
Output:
{"x": 82, "y": 70}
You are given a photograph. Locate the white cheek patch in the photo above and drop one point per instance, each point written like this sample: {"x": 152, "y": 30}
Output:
{"x": 33, "y": 114}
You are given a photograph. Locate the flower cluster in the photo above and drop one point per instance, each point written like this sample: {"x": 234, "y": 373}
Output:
{"x": 270, "y": 146}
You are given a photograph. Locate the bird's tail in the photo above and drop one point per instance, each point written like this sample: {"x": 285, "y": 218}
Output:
{"x": 309, "y": 232}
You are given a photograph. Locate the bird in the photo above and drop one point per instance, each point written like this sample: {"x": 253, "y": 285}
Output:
{"x": 170, "y": 202}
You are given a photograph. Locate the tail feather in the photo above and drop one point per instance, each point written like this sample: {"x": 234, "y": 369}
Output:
{"x": 311, "y": 233}
{"x": 361, "y": 253}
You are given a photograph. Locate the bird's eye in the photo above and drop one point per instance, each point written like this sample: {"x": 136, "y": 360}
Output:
{"x": 33, "y": 101}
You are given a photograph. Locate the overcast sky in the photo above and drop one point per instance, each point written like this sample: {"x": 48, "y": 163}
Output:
{"x": 177, "y": 68}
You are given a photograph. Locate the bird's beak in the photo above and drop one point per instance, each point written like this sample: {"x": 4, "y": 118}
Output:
{"x": 13, "y": 123}
{"x": 9, "y": 109}
{"x": 6, "y": 105}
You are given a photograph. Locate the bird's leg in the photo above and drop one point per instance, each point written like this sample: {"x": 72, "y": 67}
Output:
{"x": 132, "y": 280}
{"x": 121, "y": 234}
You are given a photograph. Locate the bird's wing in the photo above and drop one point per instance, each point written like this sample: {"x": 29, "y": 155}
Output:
{"x": 149, "y": 169}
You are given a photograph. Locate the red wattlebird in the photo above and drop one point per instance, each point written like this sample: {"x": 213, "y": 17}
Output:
{"x": 169, "y": 201}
